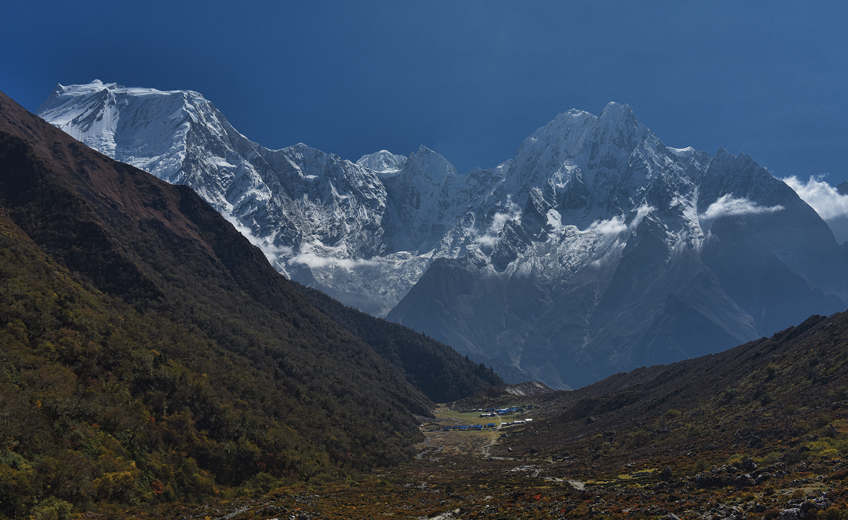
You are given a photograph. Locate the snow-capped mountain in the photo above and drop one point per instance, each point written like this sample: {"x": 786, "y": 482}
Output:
{"x": 595, "y": 249}
{"x": 317, "y": 217}
{"x": 627, "y": 253}
{"x": 383, "y": 162}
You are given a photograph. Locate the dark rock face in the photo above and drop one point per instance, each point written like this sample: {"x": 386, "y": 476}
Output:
{"x": 709, "y": 480}
{"x": 743, "y": 481}
{"x": 748, "y": 465}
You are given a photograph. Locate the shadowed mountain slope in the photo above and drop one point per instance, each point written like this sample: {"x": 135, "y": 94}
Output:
{"x": 150, "y": 353}
{"x": 434, "y": 368}
{"x": 760, "y": 398}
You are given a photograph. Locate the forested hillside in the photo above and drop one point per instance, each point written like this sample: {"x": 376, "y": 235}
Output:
{"x": 150, "y": 353}
{"x": 432, "y": 367}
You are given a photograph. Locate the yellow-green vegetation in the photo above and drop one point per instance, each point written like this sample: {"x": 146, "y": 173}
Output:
{"x": 469, "y": 418}
{"x": 150, "y": 355}
{"x": 103, "y": 404}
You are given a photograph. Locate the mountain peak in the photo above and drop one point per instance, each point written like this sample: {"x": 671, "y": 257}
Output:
{"x": 617, "y": 119}
{"x": 86, "y": 88}
{"x": 617, "y": 111}
{"x": 432, "y": 165}
{"x": 383, "y": 162}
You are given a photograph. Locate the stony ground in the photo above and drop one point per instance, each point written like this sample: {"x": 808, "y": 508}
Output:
{"x": 457, "y": 474}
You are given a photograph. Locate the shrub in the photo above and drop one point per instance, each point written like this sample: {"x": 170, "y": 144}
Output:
{"x": 831, "y": 513}
{"x": 771, "y": 458}
{"x": 262, "y": 482}
{"x": 736, "y": 459}
{"x": 672, "y": 414}
{"x": 771, "y": 371}
{"x": 52, "y": 509}
{"x": 822, "y": 421}
{"x": 839, "y": 394}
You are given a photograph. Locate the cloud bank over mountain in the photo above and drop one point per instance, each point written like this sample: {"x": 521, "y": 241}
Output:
{"x": 824, "y": 198}
{"x": 828, "y": 201}
{"x": 728, "y": 206}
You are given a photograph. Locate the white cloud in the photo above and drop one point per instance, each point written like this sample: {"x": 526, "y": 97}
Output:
{"x": 821, "y": 196}
{"x": 276, "y": 254}
{"x": 612, "y": 226}
{"x": 490, "y": 237}
{"x": 616, "y": 225}
{"x": 641, "y": 212}
{"x": 487, "y": 240}
{"x": 316, "y": 262}
{"x": 727, "y": 206}
{"x": 499, "y": 220}
{"x": 272, "y": 252}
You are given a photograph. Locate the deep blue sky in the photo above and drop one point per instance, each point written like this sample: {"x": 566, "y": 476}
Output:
{"x": 470, "y": 79}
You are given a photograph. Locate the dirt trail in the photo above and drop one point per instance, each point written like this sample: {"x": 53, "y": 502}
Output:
{"x": 485, "y": 450}
{"x": 426, "y": 446}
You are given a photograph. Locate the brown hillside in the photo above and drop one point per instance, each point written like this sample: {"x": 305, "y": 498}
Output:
{"x": 143, "y": 311}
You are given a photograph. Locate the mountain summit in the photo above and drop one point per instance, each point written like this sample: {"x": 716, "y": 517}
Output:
{"x": 595, "y": 249}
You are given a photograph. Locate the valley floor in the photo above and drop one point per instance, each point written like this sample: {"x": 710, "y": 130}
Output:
{"x": 462, "y": 474}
